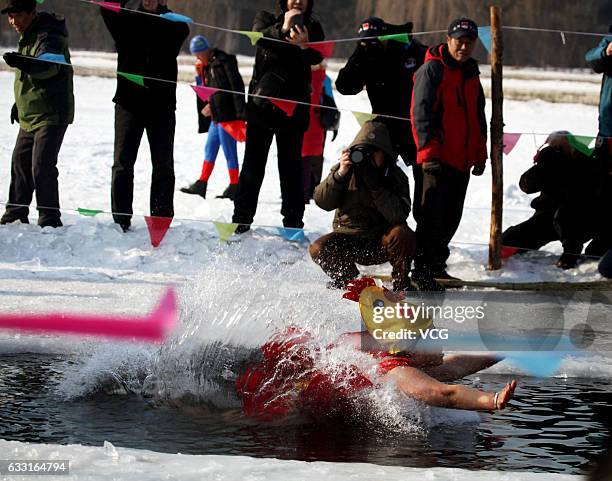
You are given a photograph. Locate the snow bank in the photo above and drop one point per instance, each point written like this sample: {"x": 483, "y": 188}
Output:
{"x": 110, "y": 463}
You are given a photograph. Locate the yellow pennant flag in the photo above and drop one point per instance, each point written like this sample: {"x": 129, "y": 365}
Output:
{"x": 362, "y": 117}
{"x": 253, "y": 36}
{"x": 225, "y": 230}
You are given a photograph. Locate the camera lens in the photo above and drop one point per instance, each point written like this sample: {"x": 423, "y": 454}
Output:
{"x": 357, "y": 156}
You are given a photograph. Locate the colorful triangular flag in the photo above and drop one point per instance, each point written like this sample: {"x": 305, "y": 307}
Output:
{"x": 510, "y": 141}
{"x": 137, "y": 79}
{"x": 158, "y": 226}
{"x": 398, "y": 37}
{"x": 176, "y": 17}
{"x": 225, "y": 230}
{"x": 253, "y": 36}
{"x": 40, "y": 2}
{"x": 286, "y": 106}
{"x": 484, "y": 33}
{"x": 324, "y": 48}
{"x": 363, "y": 117}
{"x": 88, "y": 212}
{"x": 204, "y": 92}
{"x": 113, "y": 6}
{"x": 581, "y": 143}
{"x": 292, "y": 235}
{"x": 53, "y": 58}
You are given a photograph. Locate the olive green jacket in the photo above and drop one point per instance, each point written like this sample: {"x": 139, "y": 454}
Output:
{"x": 45, "y": 98}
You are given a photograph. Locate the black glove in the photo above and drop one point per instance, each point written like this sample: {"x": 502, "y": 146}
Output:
{"x": 433, "y": 167}
{"x": 14, "y": 114}
{"x": 479, "y": 169}
{"x": 370, "y": 174}
{"x": 25, "y": 63}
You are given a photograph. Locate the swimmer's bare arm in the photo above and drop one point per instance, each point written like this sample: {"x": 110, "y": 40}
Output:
{"x": 417, "y": 384}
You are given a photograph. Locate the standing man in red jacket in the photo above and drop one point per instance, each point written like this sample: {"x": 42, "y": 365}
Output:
{"x": 450, "y": 130}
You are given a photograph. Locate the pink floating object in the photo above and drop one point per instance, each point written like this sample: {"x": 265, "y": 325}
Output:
{"x": 153, "y": 327}
{"x": 204, "y": 92}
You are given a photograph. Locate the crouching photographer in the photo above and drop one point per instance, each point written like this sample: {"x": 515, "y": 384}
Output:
{"x": 371, "y": 196}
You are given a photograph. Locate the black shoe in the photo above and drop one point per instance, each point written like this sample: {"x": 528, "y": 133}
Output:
{"x": 197, "y": 188}
{"x": 242, "y": 228}
{"x": 11, "y": 220}
{"x": 445, "y": 276}
{"x": 229, "y": 193}
{"x": 567, "y": 261}
{"x": 55, "y": 223}
{"x": 427, "y": 284}
{"x": 125, "y": 226}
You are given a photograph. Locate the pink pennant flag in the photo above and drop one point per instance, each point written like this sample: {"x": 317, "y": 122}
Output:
{"x": 114, "y": 6}
{"x": 204, "y": 92}
{"x": 324, "y": 48}
{"x": 154, "y": 327}
{"x": 510, "y": 141}
{"x": 158, "y": 226}
{"x": 286, "y": 106}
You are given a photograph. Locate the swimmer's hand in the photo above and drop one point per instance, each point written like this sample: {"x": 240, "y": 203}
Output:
{"x": 502, "y": 397}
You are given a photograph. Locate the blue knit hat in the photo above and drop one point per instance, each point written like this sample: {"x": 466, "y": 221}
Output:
{"x": 198, "y": 44}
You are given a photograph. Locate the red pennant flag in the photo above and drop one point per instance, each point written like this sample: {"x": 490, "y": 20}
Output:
{"x": 510, "y": 141}
{"x": 286, "y": 106}
{"x": 158, "y": 226}
{"x": 324, "y": 48}
{"x": 507, "y": 252}
{"x": 204, "y": 92}
{"x": 114, "y": 6}
{"x": 236, "y": 128}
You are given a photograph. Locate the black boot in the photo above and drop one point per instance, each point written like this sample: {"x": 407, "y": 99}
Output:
{"x": 567, "y": 261}
{"x": 229, "y": 193}
{"x": 10, "y": 220}
{"x": 197, "y": 188}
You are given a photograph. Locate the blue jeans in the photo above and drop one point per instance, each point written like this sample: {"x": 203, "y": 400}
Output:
{"x": 217, "y": 137}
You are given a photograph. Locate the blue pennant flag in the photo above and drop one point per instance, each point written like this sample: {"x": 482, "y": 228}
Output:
{"x": 176, "y": 17}
{"x": 54, "y": 58}
{"x": 292, "y": 235}
{"x": 484, "y": 33}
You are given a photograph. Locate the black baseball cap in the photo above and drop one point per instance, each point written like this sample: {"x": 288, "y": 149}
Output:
{"x": 463, "y": 27}
{"x": 372, "y": 27}
{"x": 16, "y": 6}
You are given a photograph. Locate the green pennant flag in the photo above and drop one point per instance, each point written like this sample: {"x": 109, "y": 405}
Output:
{"x": 362, "y": 117}
{"x": 40, "y": 2}
{"x": 89, "y": 212}
{"x": 398, "y": 37}
{"x": 225, "y": 230}
{"x": 137, "y": 79}
{"x": 581, "y": 143}
{"x": 253, "y": 36}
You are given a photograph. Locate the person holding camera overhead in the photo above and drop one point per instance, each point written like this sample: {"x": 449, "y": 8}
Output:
{"x": 282, "y": 71}
{"x": 371, "y": 196}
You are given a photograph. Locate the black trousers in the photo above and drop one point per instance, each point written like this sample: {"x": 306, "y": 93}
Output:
{"x": 34, "y": 169}
{"x": 258, "y": 143}
{"x": 535, "y": 232}
{"x": 129, "y": 128}
{"x": 440, "y": 198}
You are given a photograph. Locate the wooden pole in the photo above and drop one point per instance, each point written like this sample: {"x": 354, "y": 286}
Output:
{"x": 497, "y": 138}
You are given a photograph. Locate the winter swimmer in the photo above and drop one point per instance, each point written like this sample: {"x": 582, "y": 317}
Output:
{"x": 288, "y": 380}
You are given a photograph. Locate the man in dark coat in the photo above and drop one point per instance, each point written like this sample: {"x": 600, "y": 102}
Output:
{"x": 450, "y": 130}
{"x": 567, "y": 209}
{"x": 282, "y": 71}
{"x": 147, "y": 45}
{"x": 386, "y": 70}
{"x": 371, "y": 196}
{"x": 44, "y": 107}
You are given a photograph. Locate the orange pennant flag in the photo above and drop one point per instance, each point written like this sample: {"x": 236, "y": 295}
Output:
{"x": 158, "y": 226}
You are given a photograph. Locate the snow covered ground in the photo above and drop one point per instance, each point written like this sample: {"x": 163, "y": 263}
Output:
{"x": 90, "y": 265}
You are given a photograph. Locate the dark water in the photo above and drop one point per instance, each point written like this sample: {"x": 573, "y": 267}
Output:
{"x": 553, "y": 425}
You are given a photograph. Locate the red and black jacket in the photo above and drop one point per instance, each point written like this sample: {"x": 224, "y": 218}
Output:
{"x": 448, "y": 111}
